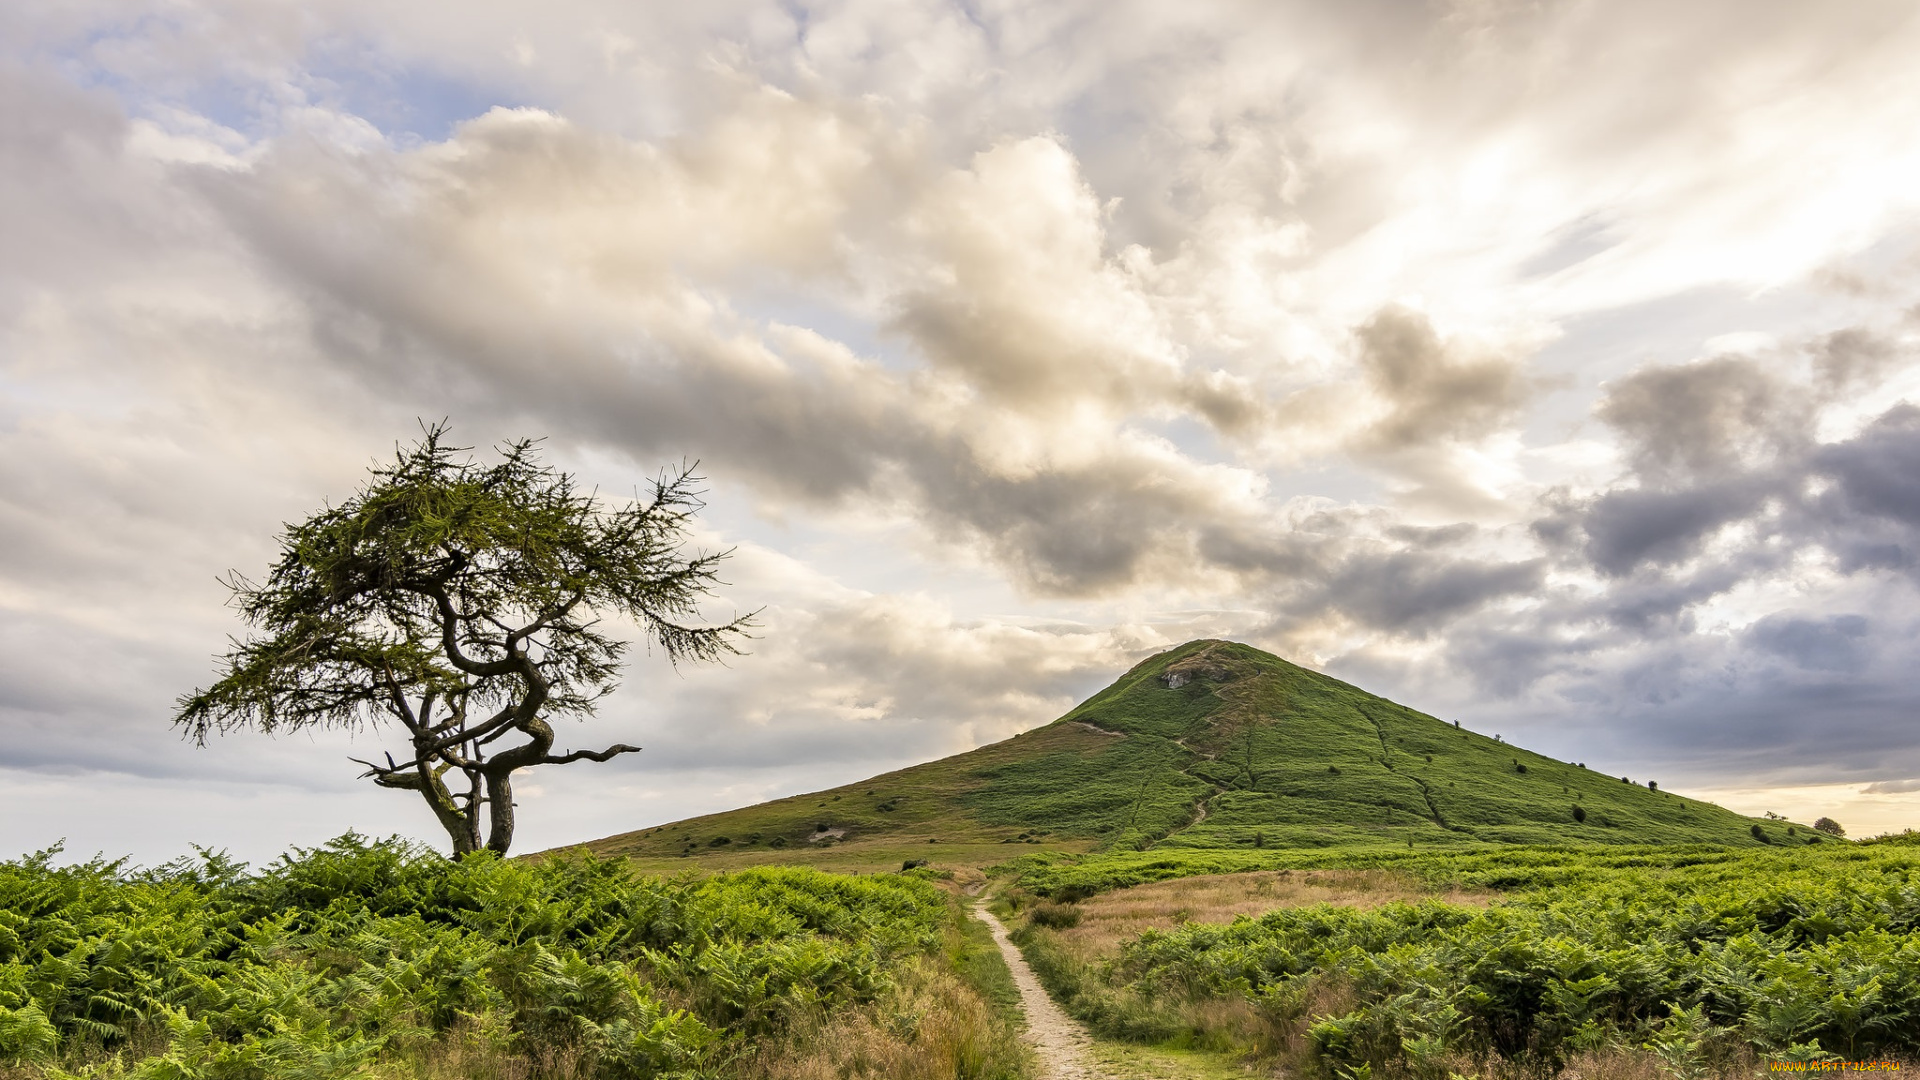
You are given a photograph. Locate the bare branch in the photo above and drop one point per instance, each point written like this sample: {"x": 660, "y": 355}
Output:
{"x": 591, "y": 755}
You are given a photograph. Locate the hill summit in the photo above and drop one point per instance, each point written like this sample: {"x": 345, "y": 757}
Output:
{"x": 1216, "y": 744}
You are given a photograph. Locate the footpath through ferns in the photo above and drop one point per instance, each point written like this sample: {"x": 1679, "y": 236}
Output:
{"x": 381, "y": 959}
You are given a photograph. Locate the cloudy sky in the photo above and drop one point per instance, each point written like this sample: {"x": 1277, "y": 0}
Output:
{"x": 1553, "y": 366}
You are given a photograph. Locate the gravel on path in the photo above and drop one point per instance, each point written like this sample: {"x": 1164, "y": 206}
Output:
{"x": 1059, "y": 1042}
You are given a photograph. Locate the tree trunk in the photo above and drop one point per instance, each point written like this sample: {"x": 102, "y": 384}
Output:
{"x": 499, "y": 810}
{"x": 462, "y": 826}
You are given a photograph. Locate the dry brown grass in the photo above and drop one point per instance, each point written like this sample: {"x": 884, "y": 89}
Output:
{"x": 931, "y": 1027}
{"x": 1111, "y": 918}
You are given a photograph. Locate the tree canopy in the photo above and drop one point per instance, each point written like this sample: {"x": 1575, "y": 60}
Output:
{"x": 463, "y": 601}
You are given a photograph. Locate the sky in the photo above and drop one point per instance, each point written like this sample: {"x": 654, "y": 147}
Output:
{"x": 1550, "y": 366}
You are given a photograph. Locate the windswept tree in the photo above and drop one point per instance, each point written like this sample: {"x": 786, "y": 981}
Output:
{"x": 463, "y": 602}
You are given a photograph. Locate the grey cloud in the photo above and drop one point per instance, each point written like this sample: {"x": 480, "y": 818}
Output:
{"x": 74, "y": 206}
{"x": 1626, "y": 529}
{"x": 1705, "y": 418}
{"x": 1657, "y": 605}
{"x": 1853, "y": 357}
{"x": 1891, "y": 787}
{"x": 1399, "y": 580}
{"x": 1722, "y": 442}
{"x": 1878, "y": 472}
{"x": 1433, "y": 393}
{"x": 1800, "y": 696}
{"x": 1833, "y": 643}
{"x": 1415, "y": 594}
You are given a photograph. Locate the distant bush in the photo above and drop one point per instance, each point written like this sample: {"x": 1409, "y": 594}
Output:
{"x": 1579, "y": 812}
{"x": 1519, "y": 767}
{"x": 1830, "y": 827}
{"x": 1055, "y": 916}
{"x": 777, "y": 842}
{"x": 1759, "y": 833}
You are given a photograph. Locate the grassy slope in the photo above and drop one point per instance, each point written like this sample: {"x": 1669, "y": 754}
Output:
{"x": 879, "y": 821}
{"x": 1249, "y": 751}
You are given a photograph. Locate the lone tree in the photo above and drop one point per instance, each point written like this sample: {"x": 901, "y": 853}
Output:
{"x": 463, "y": 601}
{"x": 1829, "y": 826}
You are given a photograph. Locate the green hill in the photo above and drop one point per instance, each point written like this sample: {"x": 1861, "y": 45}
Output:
{"x": 1215, "y": 744}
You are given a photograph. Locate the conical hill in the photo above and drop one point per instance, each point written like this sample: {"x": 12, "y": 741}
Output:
{"x": 1219, "y": 745}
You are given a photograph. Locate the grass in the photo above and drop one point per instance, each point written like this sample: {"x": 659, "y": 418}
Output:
{"x": 1212, "y": 746}
{"x": 1127, "y": 1061}
{"x": 1104, "y": 922}
{"x": 919, "y": 812}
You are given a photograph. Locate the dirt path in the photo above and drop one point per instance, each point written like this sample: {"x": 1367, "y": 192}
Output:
{"x": 1059, "y": 1042}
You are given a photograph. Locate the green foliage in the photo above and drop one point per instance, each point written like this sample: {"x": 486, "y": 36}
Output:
{"x": 26, "y": 1034}
{"x": 1686, "y": 952}
{"x": 1680, "y": 1042}
{"x": 337, "y": 957}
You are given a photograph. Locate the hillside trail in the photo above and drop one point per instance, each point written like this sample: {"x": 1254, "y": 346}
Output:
{"x": 1059, "y": 1042}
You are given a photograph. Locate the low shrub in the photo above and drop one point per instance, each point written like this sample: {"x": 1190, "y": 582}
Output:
{"x": 1055, "y": 916}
